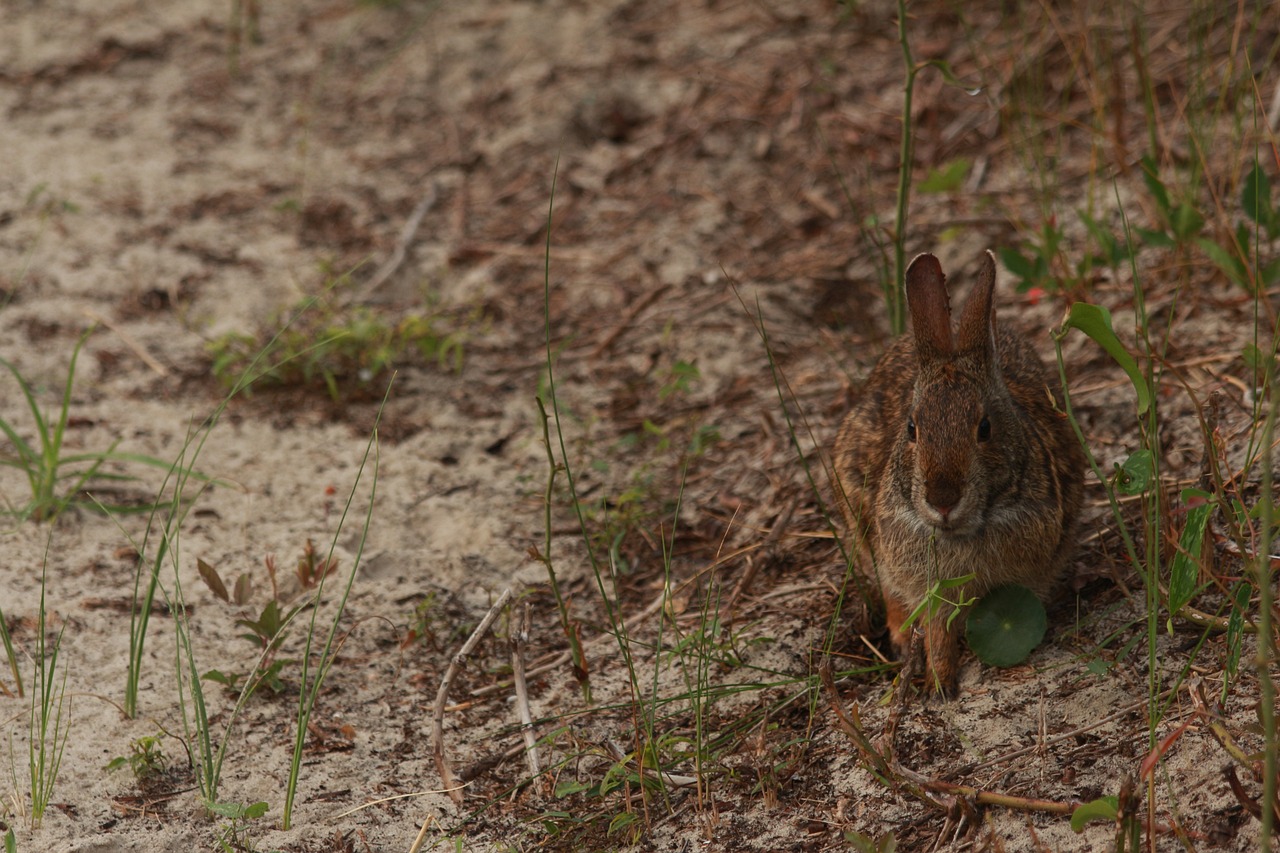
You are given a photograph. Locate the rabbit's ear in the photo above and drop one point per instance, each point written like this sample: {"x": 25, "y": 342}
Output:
{"x": 930, "y": 309}
{"x": 977, "y": 318}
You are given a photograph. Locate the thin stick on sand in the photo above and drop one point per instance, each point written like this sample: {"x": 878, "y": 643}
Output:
{"x": 447, "y": 779}
{"x": 519, "y": 642}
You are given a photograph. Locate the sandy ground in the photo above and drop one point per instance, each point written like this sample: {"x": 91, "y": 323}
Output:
{"x": 157, "y": 194}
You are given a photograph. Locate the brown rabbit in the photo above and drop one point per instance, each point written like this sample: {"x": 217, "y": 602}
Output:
{"x": 956, "y": 460}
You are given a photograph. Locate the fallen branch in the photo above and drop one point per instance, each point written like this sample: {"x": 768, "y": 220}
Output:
{"x": 401, "y": 249}
{"x": 519, "y": 640}
{"x": 447, "y": 779}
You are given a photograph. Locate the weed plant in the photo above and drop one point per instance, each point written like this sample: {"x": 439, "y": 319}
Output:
{"x": 58, "y": 480}
{"x": 49, "y": 715}
{"x": 344, "y": 349}
{"x": 1190, "y": 225}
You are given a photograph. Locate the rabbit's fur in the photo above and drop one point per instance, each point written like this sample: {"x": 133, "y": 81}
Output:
{"x": 956, "y": 460}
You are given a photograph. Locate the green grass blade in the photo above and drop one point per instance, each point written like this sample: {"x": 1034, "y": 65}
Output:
{"x": 309, "y": 693}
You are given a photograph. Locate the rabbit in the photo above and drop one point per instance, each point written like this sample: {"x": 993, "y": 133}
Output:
{"x": 955, "y": 460}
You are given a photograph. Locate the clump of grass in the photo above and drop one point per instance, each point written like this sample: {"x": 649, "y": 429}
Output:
{"x": 59, "y": 480}
{"x": 146, "y": 759}
{"x": 48, "y": 718}
{"x": 265, "y": 632}
{"x": 344, "y": 349}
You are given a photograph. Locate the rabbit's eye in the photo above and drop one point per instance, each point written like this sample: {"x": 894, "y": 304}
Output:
{"x": 911, "y": 429}
{"x": 984, "y": 429}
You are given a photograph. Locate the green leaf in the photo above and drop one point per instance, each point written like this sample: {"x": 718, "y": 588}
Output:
{"x": 10, "y": 843}
{"x": 229, "y": 681}
{"x": 946, "y": 178}
{"x": 1255, "y": 199}
{"x": 1103, "y": 808}
{"x": 1227, "y": 261}
{"x": 1253, "y": 357}
{"x": 1006, "y": 625}
{"x": 228, "y": 810}
{"x": 1095, "y": 321}
{"x": 949, "y": 75}
{"x": 565, "y": 788}
{"x": 1186, "y": 222}
{"x": 621, "y": 821}
{"x": 1134, "y": 476}
{"x": 1151, "y": 177}
{"x": 1016, "y": 263}
{"x": 1098, "y": 667}
{"x": 935, "y": 601}
{"x": 1271, "y": 271}
{"x": 1185, "y": 573}
{"x": 1152, "y": 237}
{"x": 866, "y": 844}
{"x": 255, "y": 810}
{"x": 1235, "y": 626}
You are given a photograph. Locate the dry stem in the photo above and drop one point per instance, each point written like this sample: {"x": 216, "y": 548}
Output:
{"x": 447, "y": 779}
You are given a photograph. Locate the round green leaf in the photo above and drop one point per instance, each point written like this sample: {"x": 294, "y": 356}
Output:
{"x": 1103, "y": 808}
{"x": 1006, "y": 625}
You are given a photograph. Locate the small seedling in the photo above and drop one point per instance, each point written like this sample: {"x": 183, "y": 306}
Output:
{"x": 265, "y": 632}
{"x": 935, "y": 602}
{"x": 422, "y": 626}
{"x": 233, "y": 836}
{"x": 312, "y": 568}
{"x": 145, "y": 759}
{"x": 866, "y": 844}
{"x": 1180, "y": 220}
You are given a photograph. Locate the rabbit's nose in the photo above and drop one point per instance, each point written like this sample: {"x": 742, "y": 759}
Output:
{"x": 943, "y": 495}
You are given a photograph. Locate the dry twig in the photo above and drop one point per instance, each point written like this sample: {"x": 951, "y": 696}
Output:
{"x": 401, "y": 249}
{"x": 447, "y": 779}
{"x": 519, "y": 641}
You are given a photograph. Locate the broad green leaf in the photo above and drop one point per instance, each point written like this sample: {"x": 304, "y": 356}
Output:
{"x": 1255, "y": 198}
{"x": 1006, "y": 625}
{"x": 1103, "y": 808}
{"x": 1271, "y": 271}
{"x": 1227, "y": 261}
{"x": 1016, "y": 263}
{"x": 1185, "y": 573}
{"x": 621, "y": 821}
{"x": 255, "y": 810}
{"x": 568, "y": 787}
{"x": 1134, "y": 476}
{"x": 1095, "y": 321}
{"x": 946, "y": 178}
{"x": 1186, "y": 221}
{"x": 229, "y": 810}
{"x": 1099, "y": 667}
{"x": 1153, "y": 237}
